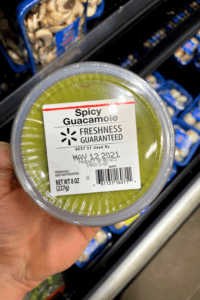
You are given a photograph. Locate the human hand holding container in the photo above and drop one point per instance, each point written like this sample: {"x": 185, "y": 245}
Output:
{"x": 33, "y": 244}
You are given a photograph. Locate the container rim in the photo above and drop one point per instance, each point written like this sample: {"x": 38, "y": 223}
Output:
{"x": 140, "y": 86}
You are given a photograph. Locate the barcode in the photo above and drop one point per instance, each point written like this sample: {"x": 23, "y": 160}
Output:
{"x": 113, "y": 174}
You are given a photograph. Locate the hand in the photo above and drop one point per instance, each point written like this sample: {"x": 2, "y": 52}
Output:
{"x": 33, "y": 244}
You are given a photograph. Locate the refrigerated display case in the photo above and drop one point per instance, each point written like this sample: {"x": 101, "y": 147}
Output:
{"x": 150, "y": 32}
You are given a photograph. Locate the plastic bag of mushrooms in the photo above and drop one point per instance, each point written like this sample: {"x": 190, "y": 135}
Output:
{"x": 51, "y": 25}
{"x": 12, "y": 45}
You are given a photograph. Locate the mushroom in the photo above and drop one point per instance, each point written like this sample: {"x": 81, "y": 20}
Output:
{"x": 184, "y": 152}
{"x": 195, "y": 41}
{"x": 82, "y": 20}
{"x": 178, "y": 155}
{"x": 13, "y": 46}
{"x": 188, "y": 118}
{"x": 182, "y": 99}
{"x": 151, "y": 79}
{"x": 84, "y": 257}
{"x": 171, "y": 110}
{"x": 131, "y": 57}
{"x": 186, "y": 57}
{"x": 193, "y": 135}
{"x": 44, "y": 22}
{"x": 91, "y": 9}
{"x": 42, "y": 53}
{"x": 31, "y": 36}
{"x": 197, "y": 125}
{"x": 51, "y": 5}
{"x": 37, "y": 45}
{"x": 51, "y": 55}
{"x": 179, "y": 53}
{"x": 29, "y": 24}
{"x": 120, "y": 225}
{"x": 15, "y": 58}
{"x": 100, "y": 237}
{"x": 65, "y": 6}
{"x": 42, "y": 11}
{"x": 45, "y": 36}
{"x": 32, "y": 22}
{"x": 146, "y": 44}
{"x": 175, "y": 93}
{"x": 36, "y": 57}
{"x": 57, "y": 28}
{"x": 76, "y": 12}
{"x": 57, "y": 18}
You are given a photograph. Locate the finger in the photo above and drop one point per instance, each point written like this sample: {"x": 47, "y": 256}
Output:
{"x": 6, "y": 169}
{"x": 66, "y": 243}
{"x": 76, "y": 238}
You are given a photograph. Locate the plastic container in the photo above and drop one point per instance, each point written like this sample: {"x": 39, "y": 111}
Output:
{"x": 48, "y": 29}
{"x": 191, "y": 114}
{"x": 121, "y": 227}
{"x": 89, "y": 81}
{"x": 129, "y": 61}
{"x": 186, "y": 145}
{"x": 101, "y": 238}
{"x": 185, "y": 54}
{"x": 173, "y": 93}
{"x": 156, "y": 80}
{"x": 154, "y": 39}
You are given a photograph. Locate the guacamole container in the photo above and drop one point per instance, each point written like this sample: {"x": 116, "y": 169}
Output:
{"x": 96, "y": 82}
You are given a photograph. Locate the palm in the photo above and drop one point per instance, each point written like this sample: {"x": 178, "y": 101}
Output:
{"x": 34, "y": 244}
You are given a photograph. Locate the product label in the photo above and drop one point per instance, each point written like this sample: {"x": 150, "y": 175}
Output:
{"x": 189, "y": 47}
{"x": 66, "y": 36}
{"x": 196, "y": 114}
{"x": 183, "y": 141}
{"x": 167, "y": 96}
{"x": 175, "y": 20}
{"x": 92, "y": 146}
{"x": 126, "y": 63}
{"x": 131, "y": 220}
{"x": 93, "y": 245}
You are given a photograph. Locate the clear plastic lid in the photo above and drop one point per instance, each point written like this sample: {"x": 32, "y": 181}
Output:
{"x": 155, "y": 139}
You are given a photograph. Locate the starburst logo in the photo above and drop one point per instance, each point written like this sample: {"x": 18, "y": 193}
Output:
{"x": 68, "y": 136}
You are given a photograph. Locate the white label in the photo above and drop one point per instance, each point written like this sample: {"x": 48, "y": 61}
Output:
{"x": 92, "y": 146}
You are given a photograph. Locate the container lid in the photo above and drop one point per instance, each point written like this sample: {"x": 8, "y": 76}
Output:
{"x": 91, "y": 81}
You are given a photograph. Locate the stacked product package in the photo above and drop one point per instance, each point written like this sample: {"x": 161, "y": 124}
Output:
{"x": 43, "y": 29}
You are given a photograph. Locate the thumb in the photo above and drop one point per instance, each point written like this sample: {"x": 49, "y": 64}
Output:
{"x": 6, "y": 169}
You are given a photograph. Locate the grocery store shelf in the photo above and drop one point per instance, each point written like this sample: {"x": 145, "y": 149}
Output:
{"x": 150, "y": 244}
{"x": 81, "y": 50}
{"x": 167, "y": 47}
